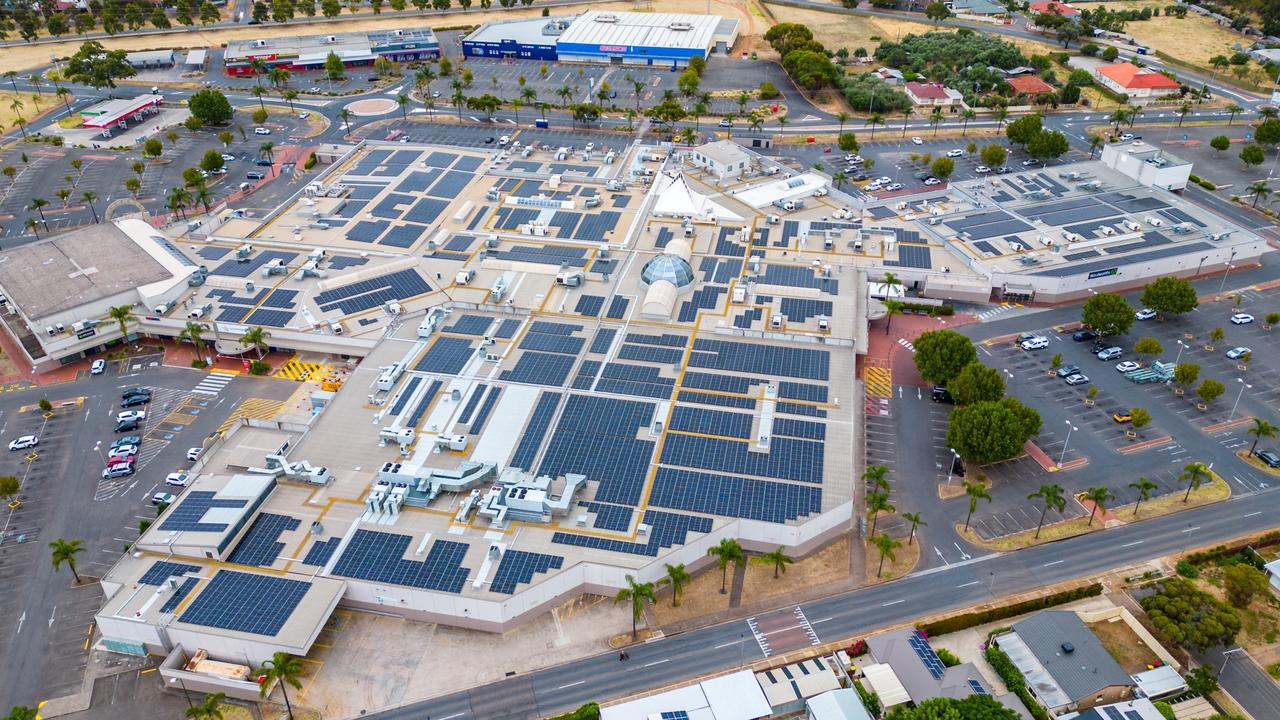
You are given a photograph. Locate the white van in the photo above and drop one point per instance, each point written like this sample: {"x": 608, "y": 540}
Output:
{"x": 504, "y": 139}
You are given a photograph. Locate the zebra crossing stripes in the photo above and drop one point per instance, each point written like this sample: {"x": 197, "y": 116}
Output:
{"x": 906, "y": 344}
{"x": 253, "y": 408}
{"x": 213, "y": 383}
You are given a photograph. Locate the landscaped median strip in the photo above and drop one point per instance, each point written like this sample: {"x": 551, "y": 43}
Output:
{"x": 1212, "y": 491}
{"x": 1047, "y": 463}
{"x": 1229, "y": 424}
{"x": 1145, "y": 445}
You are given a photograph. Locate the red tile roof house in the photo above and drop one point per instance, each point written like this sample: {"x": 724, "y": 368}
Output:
{"x": 1051, "y": 6}
{"x": 1135, "y": 82}
{"x": 933, "y": 94}
{"x": 1029, "y": 84}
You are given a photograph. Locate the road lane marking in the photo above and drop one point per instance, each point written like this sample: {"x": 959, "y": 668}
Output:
{"x": 580, "y": 682}
{"x": 969, "y": 584}
{"x": 1191, "y": 529}
{"x": 1055, "y": 562}
{"x": 1252, "y": 514}
{"x": 1136, "y": 542}
{"x": 657, "y": 662}
{"x": 895, "y": 602}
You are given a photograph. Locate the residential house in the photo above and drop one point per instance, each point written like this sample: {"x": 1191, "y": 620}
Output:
{"x": 842, "y": 704}
{"x": 1139, "y": 709}
{"x": 1029, "y": 84}
{"x": 1066, "y": 666}
{"x": 891, "y": 76}
{"x": 980, "y": 8}
{"x": 788, "y": 688}
{"x": 1160, "y": 682}
{"x": 933, "y": 94}
{"x": 906, "y": 669}
{"x": 1135, "y": 82}
{"x": 1053, "y": 6}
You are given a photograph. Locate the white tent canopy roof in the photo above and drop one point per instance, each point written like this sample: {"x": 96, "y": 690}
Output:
{"x": 676, "y": 199}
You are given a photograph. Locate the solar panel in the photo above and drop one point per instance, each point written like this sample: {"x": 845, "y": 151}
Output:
{"x": 180, "y": 593}
{"x": 603, "y": 341}
{"x": 440, "y": 159}
{"x": 730, "y": 496}
{"x": 618, "y": 307}
{"x": 718, "y": 400}
{"x": 595, "y": 227}
{"x": 673, "y": 715}
{"x": 804, "y": 277}
{"x": 379, "y": 557}
{"x": 269, "y": 318}
{"x": 406, "y": 392}
{"x": 507, "y": 329}
{"x": 402, "y": 236}
{"x": 589, "y": 305}
{"x": 212, "y": 253}
{"x": 234, "y": 268}
{"x": 232, "y": 314}
{"x": 366, "y": 231}
{"x": 596, "y": 436}
{"x": 551, "y": 328}
{"x": 191, "y": 508}
{"x": 927, "y": 656}
{"x": 416, "y": 416}
{"x": 366, "y": 294}
{"x": 470, "y": 325}
{"x": 536, "y": 430}
{"x": 711, "y": 422}
{"x": 764, "y": 359}
{"x": 446, "y": 355}
{"x": 321, "y": 551}
{"x": 460, "y": 243}
{"x": 450, "y": 185}
{"x": 665, "y": 530}
{"x": 540, "y": 368}
{"x": 705, "y": 298}
{"x": 976, "y": 687}
{"x": 649, "y": 353}
{"x": 799, "y": 429}
{"x": 342, "y": 262}
{"x": 547, "y": 342}
{"x": 389, "y": 206}
{"x": 417, "y": 181}
{"x": 787, "y": 459}
{"x": 720, "y": 383}
{"x": 244, "y": 602}
{"x": 487, "y": 407}
{"x": 586, "y": 377}
{"x": 802, "y": 391}
{"x": 798, "y": 409}
{"x": 426, "y": 211}
{"x": 472, "y": 403}
{"x": 283, "y": 299}
{"x": 260, "y": 544}
{"x": 801, "y": 309}
{"x": 162, "y": 570}
{"x": 517, "y": 567}
{"x": 609, "y": 517}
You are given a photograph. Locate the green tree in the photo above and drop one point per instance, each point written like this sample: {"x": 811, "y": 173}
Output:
{"x": 1141, "y": 418}
{"x": 211, "y": 107}
{"x": 256, "y": 338}
{"x": 10, "y": 486}
{"x": 878, "y": 502}
{"x": 1148, "y": 346}
{"x": 1193, "y": 474}
{"x": 1209, "y": 390}
{"x": 20, "y": 712}
{"x": 152, "y": 147}
{"x": 975, "y": 491}
{"x": 333, "y": 67}
{"x": 1144, "y": 488}
{"x": 993, "y": 156}
{"x": 1171, "y": 295}
{"x": 194, "y": 334}
{"x": 1100, "y": 495}
{"x": 886, "y": 545}
{"x": 287, "y": 670}
{"x": 1108, "y": 314}
{"x": 97, "y": 67}
{"x": 1048, "y": 144}
{"x": 1243, "y": 582}
{"x": 941, "y": 354}
{"x": 123, "y": 315}
{"x": 1190, "y": 617}
{"x": 875, "y": 475}
{"x": 777, "y": 559}
{"x": 1220, "y": 143}
{"x": 209, "y": 709}
{"x": 976, "y": 383}
{"x": 943, "y": 167}
{"x": 676, "y": 577}
{"x": 1261, "y": 428}
{"x": 937, "y": 11}
{"x": 848, "y": 142}
{"x": 987, "y": 432}
{"x": 639, "y": 595}
{"x": 65, "y": 551}
{"x": 728, "y": 551}
{"x": 1023, "y": 130}
{"x": 916, "y": 521}
{"x": 1186, "y": 373}
{"x": 211, "y": 161}
{"x": 1252, "y": 155}
{"x": 1051, "y": 496}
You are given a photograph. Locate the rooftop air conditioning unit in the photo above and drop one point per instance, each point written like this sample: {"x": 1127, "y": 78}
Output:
{"x": 680, "y": 26}
{"x": 607, "y": 18}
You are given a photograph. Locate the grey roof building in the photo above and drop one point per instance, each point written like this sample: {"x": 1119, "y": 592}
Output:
{"x": 1065, "y": 664}
{"x": 921, "y": 674}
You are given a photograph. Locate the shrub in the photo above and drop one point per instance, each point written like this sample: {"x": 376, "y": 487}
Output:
{"x": 1165, "y": 710}
{"x": 258, "y": 367}
{"x": 982, "y": 617}
{"x": 199, "y": 364}
{"x": 310, "y": 163}
{"x": 768, "y": 91}
{"x": 1187, "y": 570}
{"x": 1005, "y": 668}
{"x": 590, "y": 711}
{"x": 947, "y": 657}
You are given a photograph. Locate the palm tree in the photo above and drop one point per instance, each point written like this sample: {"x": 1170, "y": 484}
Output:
{"x": 31, "y": 225}
{"x": 16, "y": 106}
{"x": 1194, "y": 474}
{"x": 289, "y": 96}
{"x": 345, "y": 114}
{"x": 906, "y": 115}
{"x": 1266, "y": 112}
{"x": 838, "y": 178}
{"x": 782, "y": 123}
{"x": 1233, "y": 110}
{"x": 1182, "y": 112}
{"x": 88, "y": 196}
{"x": 779, "y": 559}
{"x": 875, "y": 475}
{"x": 256, "y": 337}
{"x": 1100, "y": 495}
{"x": 935, "y": 119}
{"x": 1051, "y": 495}
{"x": 65, "y": 551}
{"x": 1002, "y": 114}
{"x": 1144, "y": 488}
{"x": 123, "y": 315}
{"x": 194, "y": 332}
{"x": 843, "y": 117}
{"x": 38, "y": 205}
{"x": 403, "y": 101}
{"x": 285, "y": 668}
{"x": 873, "y": 121}
{"x": 976, "y": 491}
{"x": 1095, "y": 142}
{"x": 423, "y": 79}
{"x": 210, "y": 709}
{"x": 1259, "y": 190}
{"x": 890, "y": 281}
{"x": 676, "y": 577}
{"x": 891, "y": 308}
{"x": 968, "y": 114}
{"x": 64, "y": 93}
{"x": 878, "y": 502}
{"x": 258, "y": 91}
{"x": 886, "y": 545}
{"x": 1119, "y": 116}
{"x": 1261, "y": 429}
{"x": 728, "y": 551}
{"x": 638, "y": 594}
{"x": 916, "y": 521}
{"x": 268, "y": 149}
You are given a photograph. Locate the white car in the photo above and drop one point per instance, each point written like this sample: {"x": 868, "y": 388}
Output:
{"x": 261, "y": 131}
{"x": 1035, "y": 343}
{"x": 163, "y": 498}
{"x": 228, "y": 157}
{"x": 894, "y": 187}
{"x": 24, "y": 442}
{"x": 123, "y": 451}
{"x": 884, "y": 180}
{"x": 304, "y": 115}
{"x": 932, "y": 181}
{"x": 916, "y": 140}
{"x": 1145, "y": 314}
{"x": 193, "y": 454}
{"x": 982, "y": 169}
{"x": 131, "y": 415}
{"x": 98, "y": 367}
{"x": 1077, "y": 379}
{"x": 1236, "y": 353}
{"x": 176, "y": 479}
{"x": 1127, "y": 366}
{"x": 955, "y": 153}
{"x": 1241, "y": 319}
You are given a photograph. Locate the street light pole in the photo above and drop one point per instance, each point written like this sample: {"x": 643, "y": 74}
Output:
{"x": 1181, "y": 346}
{"x": 952, "y": 465}
{"x": 1062, "y": 456}
{"x": 1239, "y": 395}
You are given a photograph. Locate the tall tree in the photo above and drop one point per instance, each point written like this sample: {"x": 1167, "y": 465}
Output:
{"x": 123, "y": 315}
{"x": 1193, "y": 474}
{"x": 638, "y": 594}
{"x": 210, "y": 709}
{"x": 676, "y": 577}
{"x": 778, "y": 559}
{"x": 976, "y": 491}
{"x": 65, "y": 551}
{"x": 1261, "y": 428}
{"x": 1100, "y": 495}
{"x": 886, "y": 545}
{"x": 287, "y": 670}
{"x": 916, "y": 521}
{"x": 728, "y": 551}
{"x": 1144, "y": 488}
{"x": 878, "y": 502}
{"x": 256, "y": 338}
{"x": 1051, "y": 496}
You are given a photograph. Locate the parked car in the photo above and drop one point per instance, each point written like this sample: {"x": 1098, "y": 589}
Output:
{"x": 1084, "y": 335}
{"x": 1068, "y": 371}
{"x": 955, "y": 153}
{"x": 135, "y": 391}
{"x": 126, "y": 425}
{"x": 23, "y": 442}
{"x": 724, "y": 122}
{"x": 255, "y": 175}
{"x": 127, "y": 440}
{"x": 261, "y": 131}
{"x": 1003, "y": 169}
{"x": 135, "y": 400}
{"x": 1241, "y": 319}
{"x": 894, "y": 187}
{"x": 1077, "y": 379}
{"x": 120, "y": 469}
{"x": 1270, "y": 458}
{"x": 1236, "y": 353}
{"x": 942, "y": 395}
{"x": 228, "y": 157}
{"x": 1035, "y": 343}
{"x": 932, "y": 181}
{"x": 982, "y": 170}
{"x": 1144, "y": 314}
{"x": 193, "y": 454}
{"x": 1110, "y": 353}
{"x": 98, "y": 367}
{"x": 123, "y": 451}
{"x": 128, "y": 415}
{"x": 1122, "y": 415}
{"x": 1127, "y": 366}
{"x": 177, "y": 479}
{"x": 304, "y": 115}
{"x": 163, "y": 498}
{"x": 1029, "y": 162}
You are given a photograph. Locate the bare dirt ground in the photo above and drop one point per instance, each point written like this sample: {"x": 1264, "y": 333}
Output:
{"x": 1192, "y": 39}
{"x": 1124, "y": 645}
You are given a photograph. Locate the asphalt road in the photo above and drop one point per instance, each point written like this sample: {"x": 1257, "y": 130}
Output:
{"x": 46, "y": 621}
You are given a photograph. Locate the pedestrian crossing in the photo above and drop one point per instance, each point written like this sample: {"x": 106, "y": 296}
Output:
{"x": 301, "y": 370}
{"x": 214, "y": 382}
{"x": 906, "y": 344}
{"x": 253, "y": 408}
{"x": 1002, "y": 308}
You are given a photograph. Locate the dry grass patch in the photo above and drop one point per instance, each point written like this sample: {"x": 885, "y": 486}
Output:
{"x": 1255, "y": 462}
{"x": 702, "y": 596}
{"x": 1193, "y": 39}
{"x": 1124, "y": 645}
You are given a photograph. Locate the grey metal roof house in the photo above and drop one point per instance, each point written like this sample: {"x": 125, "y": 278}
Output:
{"x": 922, "y": 675}
{"x": 1065, "y": 664}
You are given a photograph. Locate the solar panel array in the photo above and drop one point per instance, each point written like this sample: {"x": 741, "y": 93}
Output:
{"x": 925, "y": 652}
{"x": 609, "y": 517}
{"x": 798, "y": 409}
{"x": 719, "y": 383}
{"x": 705, "y": 298}
{"x": 602, "y": 341}
{"x": 710, "y": 422}
{"x": 472, "y": 403}
{"x": 586, "y": 377}
{"x": 180, "y": 593}
{"x": 787, "y": 459}
{"x": 730, "y": 496}
{"x": 507, "y": 329}
{"x": 269, "y": 318}
{"x": 470, "y": 325}
{"x": 232, "y": 267}
{"x": 801, "y": 309}
{"x": 641, "y": 380}
{"x": 649, "y": 353}
{"x": 665, "y": 530}
{"x": 977, "y": 688}
{"x": 535, "y": 431}
{"x": 802, "y": 391}
{"x": 589, "y": 305}
{"x": 517, "y": 567}
{"x": 718, "y": 400}
{"x": 806, "y": 429}
{"x": 416, "y": 416}
{"x": 191, "y": 508}
{"x": 161, "y": 570}
{"x": 260, "y": 544}
{"x": 540, "y": 368}
{"x": 320, "y": 551}
{"x": 551, "y": 342}
{"x": 804, "y": 277}
{"x": 764, "y": 359}
{"x": 371, "y": 293}
{"x": 245, "y": 602}
{"x": 487, "y": 407}
{"x": 596, "y": 436}
{"x": 378, "y": 556}
{"x": 446, "y": 355}
{"x": 618, "y": 307}
{"x": 406, "y": 392}
{"x": 673, "y": 715}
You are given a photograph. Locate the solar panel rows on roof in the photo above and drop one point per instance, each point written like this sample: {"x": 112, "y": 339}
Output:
{"x": 711, "y": 422}
{"x": 245, "y": 602}
{"x": 609, "y": 517}
{"x": 371, "y": 293}
{"x": 179, "y": 594}
{"x": 162, "y": 570}
{"x": 535, "y": 431}
{"x": 472, "y": 402}
{"x": 507, "y": 329}
{"x": 665, "y": 530}
{"x": 416, "y": 416}
{"x": 730, "y": 401}
{"x": 649, "y": 353}
{"x": 589, "y": 305}
{"x": 517, "y": 567}
{"x": 596, "y": 436}
{"x": 482, "y": 414}
{"x": 320, "y": 551}
{"x": 186, "y": 515}
{"x": 260, "y": 544}
{"x": 470, "y": 325}
{"x": 733, "y": 496}
{"x": 379, "y": 557}
{"x": 602, "y": 341}
{"x": 540, "y": 368}
{"x": 787, "y": 459}
{"x": 447, "y": 355}
{"x": 618, "y": 307}
{"x": 764, "y": 359}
